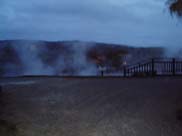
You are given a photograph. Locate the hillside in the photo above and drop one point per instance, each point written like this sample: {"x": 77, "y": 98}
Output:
{"x": 23, "y": 57}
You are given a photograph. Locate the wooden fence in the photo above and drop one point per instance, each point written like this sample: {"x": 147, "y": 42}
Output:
{"x": 155, "y": 67}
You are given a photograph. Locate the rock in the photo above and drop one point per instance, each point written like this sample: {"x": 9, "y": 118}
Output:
{"x": 8, "y": 129}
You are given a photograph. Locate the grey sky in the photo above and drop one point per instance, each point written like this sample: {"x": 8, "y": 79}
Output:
{"x": 132, "y": 22}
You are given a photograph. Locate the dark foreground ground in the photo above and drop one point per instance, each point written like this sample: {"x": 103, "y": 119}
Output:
{"x": 91, "y": 107}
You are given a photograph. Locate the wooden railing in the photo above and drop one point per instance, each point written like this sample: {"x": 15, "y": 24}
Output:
{"x": 155, "y": 67}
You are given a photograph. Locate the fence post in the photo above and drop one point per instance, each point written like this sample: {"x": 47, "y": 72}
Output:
{"x": 0, "y": 88}
{"x": 174, "y": 67}
{"x": 124, "y": 71}
{"x": 153, "y": 67}
{"x": 139, "y": 70}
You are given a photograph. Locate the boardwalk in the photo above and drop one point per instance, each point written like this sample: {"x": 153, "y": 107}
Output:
{"x": 155, "y": 67}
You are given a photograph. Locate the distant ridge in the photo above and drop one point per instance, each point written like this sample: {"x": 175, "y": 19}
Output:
{"x": 31, "y": 57}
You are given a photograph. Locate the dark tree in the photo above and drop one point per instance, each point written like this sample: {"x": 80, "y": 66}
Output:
{"x": 175, "y": 7}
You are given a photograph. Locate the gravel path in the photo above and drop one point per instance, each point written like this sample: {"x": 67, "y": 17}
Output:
{"x": 91, "y": 107}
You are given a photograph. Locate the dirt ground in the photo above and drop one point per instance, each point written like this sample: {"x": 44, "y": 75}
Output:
{"x": 91, "y": 106}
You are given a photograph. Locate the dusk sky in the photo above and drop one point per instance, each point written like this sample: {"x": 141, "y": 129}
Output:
{"x": 131, "y": 22}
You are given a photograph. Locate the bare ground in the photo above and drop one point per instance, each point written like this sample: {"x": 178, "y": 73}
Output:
{"x": 91, "y": 107}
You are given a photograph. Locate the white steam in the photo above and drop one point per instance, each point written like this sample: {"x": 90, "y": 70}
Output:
{"x": 173, "y": 52}
{"x": 80, "y": 62}
{"x": 33, "y": 65}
